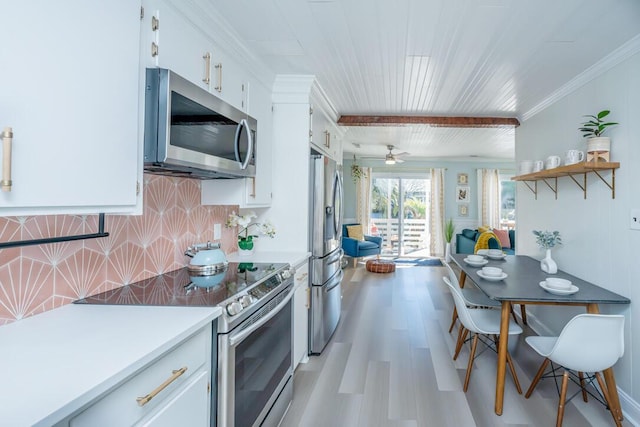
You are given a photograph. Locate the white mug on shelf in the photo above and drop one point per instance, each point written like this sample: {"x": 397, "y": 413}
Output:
{"x": 572, "y": 157}
{"x": 538, "y": 165}
{"x": 526, "y": 166}
{"x": 553, "y": 162}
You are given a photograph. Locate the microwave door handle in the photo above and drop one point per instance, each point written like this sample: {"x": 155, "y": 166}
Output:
{"x": 243, "y": 123}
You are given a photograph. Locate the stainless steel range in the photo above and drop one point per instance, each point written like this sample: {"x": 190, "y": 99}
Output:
{"x": 254, "y": 363}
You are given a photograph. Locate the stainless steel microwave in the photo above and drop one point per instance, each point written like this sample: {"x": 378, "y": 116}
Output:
{"x": 191, "y": 133}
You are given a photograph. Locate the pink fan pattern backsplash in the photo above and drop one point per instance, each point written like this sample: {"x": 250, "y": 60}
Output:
{"x": 38, "y": 278}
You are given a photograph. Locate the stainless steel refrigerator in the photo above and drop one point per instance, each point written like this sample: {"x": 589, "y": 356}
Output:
{"x": 325, "y": 236}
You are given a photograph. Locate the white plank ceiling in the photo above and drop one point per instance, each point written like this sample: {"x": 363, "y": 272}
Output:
{"x": 485, "y": 58}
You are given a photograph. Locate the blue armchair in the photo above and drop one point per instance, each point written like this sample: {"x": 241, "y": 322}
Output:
{"x": 371, "y": 245}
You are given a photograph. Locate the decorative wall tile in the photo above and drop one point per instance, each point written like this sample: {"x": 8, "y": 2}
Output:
{"x": 25, "y": 285}
{"x": 38, "y": 278}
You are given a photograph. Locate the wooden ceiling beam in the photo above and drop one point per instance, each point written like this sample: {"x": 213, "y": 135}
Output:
{"x": 436, "y": 121}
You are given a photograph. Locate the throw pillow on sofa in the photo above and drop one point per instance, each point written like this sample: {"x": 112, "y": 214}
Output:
{"x": 503, "y": 236}
{"x": 469, "y": 234}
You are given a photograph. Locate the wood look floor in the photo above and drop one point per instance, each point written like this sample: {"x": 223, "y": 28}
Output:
{"x": 390, "y": 363}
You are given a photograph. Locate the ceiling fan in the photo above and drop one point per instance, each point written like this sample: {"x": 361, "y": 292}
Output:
{"x": 391, "y": 158}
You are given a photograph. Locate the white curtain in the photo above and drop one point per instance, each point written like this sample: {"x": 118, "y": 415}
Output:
{"x": 436, "y": 217}
{"x": 363, "y": 200}
{"x": 489, "y": 197}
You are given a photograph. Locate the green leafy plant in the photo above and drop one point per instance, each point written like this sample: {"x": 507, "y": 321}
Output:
{"x": 547, "y": 239}
{"x": 449, "y": 229}
{"x": 357, "y": 172}
{"x": 596, "y": 126}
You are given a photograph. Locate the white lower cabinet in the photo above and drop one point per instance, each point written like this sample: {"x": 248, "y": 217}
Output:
{"x": 183, "y": 408}
{"x": 301, "y": 315}
{"x": 172, "y": 390}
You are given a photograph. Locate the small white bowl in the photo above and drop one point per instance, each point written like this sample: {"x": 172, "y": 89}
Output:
{"x": 494, "y": 252}
{"x": 475, "y": 258}
{"x": 557, "y": 283}
{"x": 492, "y": 271}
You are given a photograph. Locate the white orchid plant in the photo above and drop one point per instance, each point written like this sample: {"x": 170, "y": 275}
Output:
{"x": 244, "y": 223}
{"x": 547, "y": 239}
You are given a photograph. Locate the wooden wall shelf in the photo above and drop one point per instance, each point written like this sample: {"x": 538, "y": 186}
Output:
{"x": 550, "y": 176}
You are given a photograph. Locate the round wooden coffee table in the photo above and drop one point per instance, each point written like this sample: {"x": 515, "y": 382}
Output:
{"x": 380, "y": 266}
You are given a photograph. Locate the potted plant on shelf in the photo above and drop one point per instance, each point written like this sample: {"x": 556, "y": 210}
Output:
{"x": 449, "y": 229}
{"x": 598, "y": 146}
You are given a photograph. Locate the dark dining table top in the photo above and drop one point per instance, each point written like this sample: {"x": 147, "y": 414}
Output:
{"x": 523, "y": 283}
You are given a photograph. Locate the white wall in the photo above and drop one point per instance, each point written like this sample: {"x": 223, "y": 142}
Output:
{"x": 598, "y": 244}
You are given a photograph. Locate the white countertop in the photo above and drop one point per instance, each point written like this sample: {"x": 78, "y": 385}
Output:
{"x": 293, "y": 258}
{"x": 54, "y": 363}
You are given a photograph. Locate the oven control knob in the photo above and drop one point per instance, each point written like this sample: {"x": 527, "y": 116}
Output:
{"x": 246, "y": 300}
{"x": 234, "y": 308}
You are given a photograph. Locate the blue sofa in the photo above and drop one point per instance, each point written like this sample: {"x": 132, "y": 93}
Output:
{"x": 371, "y": 245}
{"x": 466, "y": 242}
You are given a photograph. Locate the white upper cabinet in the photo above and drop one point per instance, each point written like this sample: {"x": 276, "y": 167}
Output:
{"x": 183, "y": 40}
{"x": 326, "y": 135}
{"x": 69, "y": 89}
{"x": 175, "y": 41}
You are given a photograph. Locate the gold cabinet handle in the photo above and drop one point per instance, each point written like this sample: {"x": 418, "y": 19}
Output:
{"x": 207, "y": 67}
{"x": 7, "y": 140}
{"x": 174, "y": 376}
{"x": 219, "y": 68}
{"x": 308, "y": 304}
{"x": 253, "y": 187}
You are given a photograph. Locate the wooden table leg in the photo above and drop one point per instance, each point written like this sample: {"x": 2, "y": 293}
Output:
{"x": 502, "y": 355}
{"x": 609, "y": 378}
{"x": 463, "y": 277}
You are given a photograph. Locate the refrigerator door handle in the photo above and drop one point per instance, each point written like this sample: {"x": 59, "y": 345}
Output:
{"x": 336, "y": 283}
{"x": 336, "y": 257}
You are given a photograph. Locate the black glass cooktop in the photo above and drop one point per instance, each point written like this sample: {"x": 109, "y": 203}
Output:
{"x": 178, "y": 288}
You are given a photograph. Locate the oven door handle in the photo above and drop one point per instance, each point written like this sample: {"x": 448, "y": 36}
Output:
{"x": 240, "y": 336}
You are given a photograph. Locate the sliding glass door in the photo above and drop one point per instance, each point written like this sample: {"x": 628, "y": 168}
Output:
{"x": 400, "y": 213}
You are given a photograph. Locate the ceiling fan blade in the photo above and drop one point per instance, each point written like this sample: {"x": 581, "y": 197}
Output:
{"x": 404, "y": 153}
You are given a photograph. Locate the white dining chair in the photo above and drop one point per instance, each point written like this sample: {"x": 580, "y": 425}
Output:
{"x": 481, "y": 321}
{"x": 472, "y": 296}
{"x": 589, "y": 343}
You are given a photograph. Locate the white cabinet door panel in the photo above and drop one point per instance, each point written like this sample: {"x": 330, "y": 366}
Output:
{"x": 189, "y": 407}
{"x": 69, "y": 88}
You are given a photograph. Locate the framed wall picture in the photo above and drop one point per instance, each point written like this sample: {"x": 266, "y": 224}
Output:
{"x": 463, "y": 210}
{"x": 462, "y": 194}
{"x": 463, "y": 178}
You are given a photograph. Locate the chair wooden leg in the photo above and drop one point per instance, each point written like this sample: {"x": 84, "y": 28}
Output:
{"x": 563, "y": 397}
{"x": 523, "y": 313}
{"x": 461, "y": 337}
{"x": 605, "y": 393}
{"x": 454, "y": 317}
{"x": 513, "y": 373}
{"x": 355, "y": 262}
{"x": 584, "y": 391}
{"x": 470, "y": 364}
{"x": 536, "y": 379}
{"x": 513, "y": 314}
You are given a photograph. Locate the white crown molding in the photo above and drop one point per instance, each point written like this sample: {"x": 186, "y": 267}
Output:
{"x": 292, "y": 88}
{"x": 623, "y": 53}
